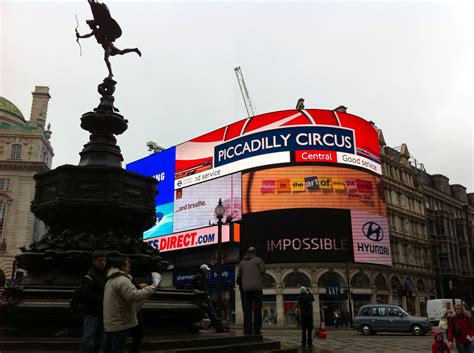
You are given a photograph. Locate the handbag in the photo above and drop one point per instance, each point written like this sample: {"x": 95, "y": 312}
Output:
{"x": 443, "y": 323}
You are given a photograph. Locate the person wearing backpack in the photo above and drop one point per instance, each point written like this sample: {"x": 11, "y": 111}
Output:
{"x": 122, "y": 300}
{"x": 92, "y": 297}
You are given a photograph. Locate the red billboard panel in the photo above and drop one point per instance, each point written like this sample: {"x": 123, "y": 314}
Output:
{"x": 310, "y": 136}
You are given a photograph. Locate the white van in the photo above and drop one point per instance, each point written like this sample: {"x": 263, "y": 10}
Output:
{"x": 434, "y": 308}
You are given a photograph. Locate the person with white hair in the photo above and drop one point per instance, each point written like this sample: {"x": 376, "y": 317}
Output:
{"x": 305, "y": 304}
{"x": 200, "y": 281}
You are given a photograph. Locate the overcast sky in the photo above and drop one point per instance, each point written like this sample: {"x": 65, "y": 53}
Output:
{"x": 407, "y": 66}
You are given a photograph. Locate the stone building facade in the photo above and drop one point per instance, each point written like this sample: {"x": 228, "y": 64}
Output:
{"x": 450, "y": 217}
{"x": 410, "y": 282}
{"x": 25, "y": 150}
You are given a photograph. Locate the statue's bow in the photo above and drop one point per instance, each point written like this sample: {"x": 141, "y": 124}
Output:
{"x": 77, "y": 37}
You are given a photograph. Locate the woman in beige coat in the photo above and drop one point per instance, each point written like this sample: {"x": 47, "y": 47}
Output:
{"x": 122, "y": 300}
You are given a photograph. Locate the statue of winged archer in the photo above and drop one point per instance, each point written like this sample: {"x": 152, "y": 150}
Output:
{"x": 106, "y": 30}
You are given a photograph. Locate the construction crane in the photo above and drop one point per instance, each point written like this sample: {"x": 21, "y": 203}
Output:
{"x": 245, "y": 93}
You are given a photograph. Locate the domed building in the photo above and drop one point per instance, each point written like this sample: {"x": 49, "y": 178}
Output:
{"x": 25, "y": 150}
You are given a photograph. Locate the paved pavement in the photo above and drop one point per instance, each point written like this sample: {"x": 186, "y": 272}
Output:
{"x": 350, "y": 341}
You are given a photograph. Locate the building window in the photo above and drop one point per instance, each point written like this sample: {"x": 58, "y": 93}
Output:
{"x": 268, "y": 281}
{"x": 360, "y": 280}
{"x": 16, "y": 151}
{"x": 440, "y": 226}
{"x": 2, "y": 221}
{"x": 36, "y": 230}
{"x": 330, "y": 277}
{"x": 395, "y": 283}
{"x": 296, "y": 279}
{"x": 380, "y": 282}
{"x": 460, "y": 232}
{"x": 4, "y": 184}
{"x": 420, "y": 285}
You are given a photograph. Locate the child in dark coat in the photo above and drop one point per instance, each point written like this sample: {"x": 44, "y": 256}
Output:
{"x": 439, "y": 346}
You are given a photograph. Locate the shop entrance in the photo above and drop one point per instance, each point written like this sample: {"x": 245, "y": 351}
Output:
{"x": 332, "y": 312}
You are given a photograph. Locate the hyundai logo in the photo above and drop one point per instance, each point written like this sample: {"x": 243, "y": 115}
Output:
{"x": 373, "y": 231}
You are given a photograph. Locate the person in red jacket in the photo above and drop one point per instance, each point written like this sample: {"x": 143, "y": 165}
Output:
{"x": 439, "y": 346}
{"x": 460, "y": 328}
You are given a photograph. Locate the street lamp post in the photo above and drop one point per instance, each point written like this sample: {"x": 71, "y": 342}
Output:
{"x": 349, "y": 297}
{"x": 220, "y": 210}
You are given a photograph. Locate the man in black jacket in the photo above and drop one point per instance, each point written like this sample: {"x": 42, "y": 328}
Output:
{"x": 93, "y": 285}
{"x": 200, "y": 280}
{"x": 305, "y": 303}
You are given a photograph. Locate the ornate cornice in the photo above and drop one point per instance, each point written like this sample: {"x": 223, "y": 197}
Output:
{"x": 401, "y": 186}
{"x": 397, "y": 210}
{"x": 26, "y": 165}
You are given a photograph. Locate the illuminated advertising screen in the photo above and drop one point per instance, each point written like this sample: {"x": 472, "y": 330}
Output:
{"x": 194, "y": 206}
{"x": 305, "y": 185}
{"x": 348, "y": 201}
{"x": 299, "y": 235}
{"x": 189, "y": 239}
{"x": 298, "y": 136}
{"x": 312, "y": 187}
{"x": 161, "y": 167}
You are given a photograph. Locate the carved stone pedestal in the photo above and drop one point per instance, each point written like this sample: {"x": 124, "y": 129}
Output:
{"x": 96, "y": 205}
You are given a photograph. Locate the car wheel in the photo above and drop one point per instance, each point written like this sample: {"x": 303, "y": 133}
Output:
{"x": 417, "y": 330}
{"x": 366, "y": 330}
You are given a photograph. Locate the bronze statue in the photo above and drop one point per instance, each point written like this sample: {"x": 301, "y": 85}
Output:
{"x": 106, "y": 30}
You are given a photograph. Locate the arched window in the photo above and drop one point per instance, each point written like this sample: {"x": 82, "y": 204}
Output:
{"x": 420, "y": 284}
{"x": 16, "y": 151}
{"x": 268, "y": 281}
{"x": 380, "y": 282}
{"x": 331, "y": 277}
{"x": 296, "y": 279}
{"x": 395, "y": 283}
{"x": 360, "y": 280}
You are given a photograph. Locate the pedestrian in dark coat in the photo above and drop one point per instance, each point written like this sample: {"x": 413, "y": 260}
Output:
{"x": 200, "y": 282}
{"x": 93, "y": 285}
{"x": 305, "y": 304}
{"x": 252, "y": 269}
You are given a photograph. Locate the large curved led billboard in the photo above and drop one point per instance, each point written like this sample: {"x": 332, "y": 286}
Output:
{"x": 314, "y": 171}
{"x": 301, "y": 136}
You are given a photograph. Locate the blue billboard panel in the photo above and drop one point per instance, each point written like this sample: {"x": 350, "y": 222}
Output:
{"x": 160, "y": 166}
{"x": 164, "y": 221}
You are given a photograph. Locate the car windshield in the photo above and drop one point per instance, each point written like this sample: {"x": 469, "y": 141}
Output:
{"x": 403, "y": 311}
